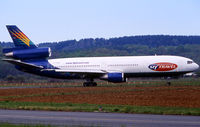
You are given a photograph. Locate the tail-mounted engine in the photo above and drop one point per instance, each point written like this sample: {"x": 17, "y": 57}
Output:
{"x": 30, "y": 53}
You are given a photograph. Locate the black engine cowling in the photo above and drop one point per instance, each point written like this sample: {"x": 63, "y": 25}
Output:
{"x": 33, "y": 53}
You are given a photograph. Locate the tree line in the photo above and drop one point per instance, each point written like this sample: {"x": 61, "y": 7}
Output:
{"x": 187, "y": 46}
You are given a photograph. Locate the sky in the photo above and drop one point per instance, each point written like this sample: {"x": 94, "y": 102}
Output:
{"x": 60, "y": 20}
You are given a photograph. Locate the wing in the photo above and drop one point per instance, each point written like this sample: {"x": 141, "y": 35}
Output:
{"x": 83, "y": 71}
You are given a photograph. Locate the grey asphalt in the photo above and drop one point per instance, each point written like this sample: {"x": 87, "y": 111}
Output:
{"x": 97, "y": 119}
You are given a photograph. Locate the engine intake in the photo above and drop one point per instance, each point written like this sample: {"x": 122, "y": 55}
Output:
{"x": 114, "y": 77}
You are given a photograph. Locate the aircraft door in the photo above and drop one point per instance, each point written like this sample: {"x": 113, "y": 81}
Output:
{"x": 143, "y": 65}
{"x": 103, "y": 66}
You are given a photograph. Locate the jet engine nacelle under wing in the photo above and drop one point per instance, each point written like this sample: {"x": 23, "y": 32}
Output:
{"x": 114, "y": 77}
{"x": 33, "y": 53}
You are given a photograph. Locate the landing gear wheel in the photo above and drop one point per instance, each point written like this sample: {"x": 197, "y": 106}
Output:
{"x": 168, "y": 83}
{"x": 94, "y": 84}
{"x": 86, "y": 84}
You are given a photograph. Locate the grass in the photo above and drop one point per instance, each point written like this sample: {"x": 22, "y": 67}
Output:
{"x": 26, "y": 125}
{"x": 135, "y": 82}
{"x": 99, "y": 108}
{"x": 22, "y": 125}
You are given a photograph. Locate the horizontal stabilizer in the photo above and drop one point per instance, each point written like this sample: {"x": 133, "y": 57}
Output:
{"x": 22, "y": 64}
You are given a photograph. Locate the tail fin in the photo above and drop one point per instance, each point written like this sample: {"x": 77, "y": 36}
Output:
{"x": 19, "y": 38}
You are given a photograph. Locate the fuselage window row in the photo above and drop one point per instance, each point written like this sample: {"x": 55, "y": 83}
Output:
{"x": 112, "y": 65}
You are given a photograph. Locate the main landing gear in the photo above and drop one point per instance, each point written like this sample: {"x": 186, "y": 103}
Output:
{"x": 168, "y": 83}
{"x": 89, "y": 82}
{"x": 85, "y": 84}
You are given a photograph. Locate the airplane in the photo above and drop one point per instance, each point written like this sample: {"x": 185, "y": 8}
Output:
{"x": 27, "y": 57}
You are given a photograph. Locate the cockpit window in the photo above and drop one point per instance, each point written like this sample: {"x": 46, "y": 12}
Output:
{"x": 190, "y": 62}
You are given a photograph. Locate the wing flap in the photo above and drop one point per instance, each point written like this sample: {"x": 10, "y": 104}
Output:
{"x": 77, "y": 71}
{"x": 84, "y": 71}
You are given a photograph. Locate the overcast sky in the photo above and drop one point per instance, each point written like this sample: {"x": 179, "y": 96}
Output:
{"x": 59, "y": 20}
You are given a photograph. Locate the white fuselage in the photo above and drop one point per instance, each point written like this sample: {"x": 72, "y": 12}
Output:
{"x": 127, "y": 64}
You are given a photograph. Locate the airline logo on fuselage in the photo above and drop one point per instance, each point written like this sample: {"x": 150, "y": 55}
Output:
{"x": 163, "y": 66}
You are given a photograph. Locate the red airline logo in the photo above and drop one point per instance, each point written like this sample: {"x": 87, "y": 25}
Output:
{"x": 163, "y": 66}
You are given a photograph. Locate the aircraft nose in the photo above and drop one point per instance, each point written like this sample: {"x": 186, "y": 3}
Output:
{"x": 196, "y": 66}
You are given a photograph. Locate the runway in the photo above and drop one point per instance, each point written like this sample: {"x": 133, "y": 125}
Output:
{"x": 97, "y": 119}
